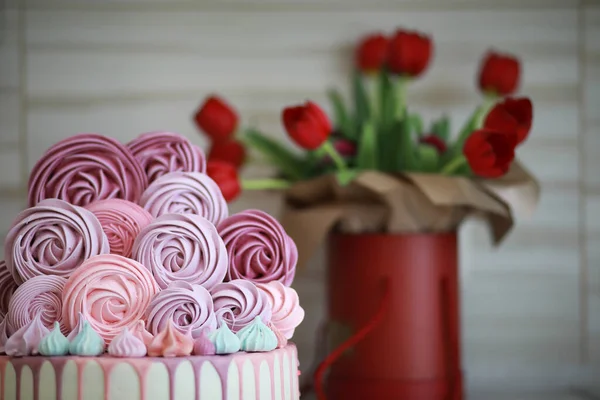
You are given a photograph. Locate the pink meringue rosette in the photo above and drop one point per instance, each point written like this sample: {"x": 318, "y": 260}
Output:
{"x": 52, "y": 238}
{"x": 258, "y": 248}
{"x": 39, "y": 296}
{"x": 112, "y": 292}
{"x": 238, "y": 302}
{"x": 121, "y": 221}
{"x": 188, "y": 307}
{"x": 85, "y": 168}
{"x": 186, "y": 193}
{"x": 182, "y": 247}
{"x": 162, "y": 152}
{"x": 7, "y": 288}
{"x": 285, "y": 304}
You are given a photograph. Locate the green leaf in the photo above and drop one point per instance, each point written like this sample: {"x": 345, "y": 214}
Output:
{"x": 361, "y": 101}
{"x": 342, "y": 119}
{"x": 367, "y": 148}
{"x": 404, "y": 146}
{"x": 345, "y": 177}
{"x": 428, "y": 158}
{"x": 386, "y": 135}
{"x": 441, "y": 128}
{"x": 291, "y": 165}
{"x": 416, "y": 124}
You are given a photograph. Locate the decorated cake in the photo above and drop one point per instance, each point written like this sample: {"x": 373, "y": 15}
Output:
{"x": 126, "y": 278}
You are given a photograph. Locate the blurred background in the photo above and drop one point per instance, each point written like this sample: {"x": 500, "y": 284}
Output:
{"x": 531, "y": 308}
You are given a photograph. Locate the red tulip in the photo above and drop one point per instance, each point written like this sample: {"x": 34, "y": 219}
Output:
{"x": 409, "y": 53}
{"x": 216, "y": 118}
{"x": 307, "y": 125}
{"x": 231, "y": 151}
{"x": 226, "y": 177}
{"x": 345, "y": 147}
{"x": 499, "y": 74}
{"x": 518, "y": 112}
{"x": 490, "y": 152}
{"x": 434, "y": 142}
{"x": 371, "y": 53}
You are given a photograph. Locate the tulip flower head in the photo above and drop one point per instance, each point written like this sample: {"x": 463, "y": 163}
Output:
{"x": 499, "y": 74}
{"x": 516, "y": 111}
{"x": 216, "y": 119}
{"x": 371, "y": 53}
{"x": 226, "y": 177}
{"x": 307, "y": 125}
{"x": 230, "y": 151}
{"x": 409, "y": 53}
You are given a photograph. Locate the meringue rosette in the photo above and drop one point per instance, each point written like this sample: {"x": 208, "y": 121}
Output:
{"x": 162, "y": 152}
{"x": 52, "y": 238}
{"x": 85, "y": 168}
{"x": 186, "y": 193}
{"x": 41, "y": 297}
{"x": 258, "y": 248}
{"x": 7, "y": 288}
{"x": 287, "y": 313}
{"x": 182, "y": 247}
{"x": 188, "y": 307}
{"x": 121, "y": 221}
{"x": 112, "y": 292}
{"x": 239, "y": 302}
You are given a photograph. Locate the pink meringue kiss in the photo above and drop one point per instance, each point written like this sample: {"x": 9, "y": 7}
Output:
{"x": 281, "y": 339}
{"x": 26, "y": 340}
{"x": 238, "y": 302}
{"x": 258, "y": 248}
{"x": 287, "y": 313}
{"x": 203, "y": 346}
{"x": 112, "y": 292}
{"x": 162, "y": 152}
{"x": 121, "y": 221}
{"x": 188, "y": 307}
{"x": 52, "y": 238}
{"x": 171, "y": 343}
{"x": 186, "y": 193}
{"x": 139, "y": 330}
{"x": 40, "y": 296}
{"x": 182, "y": 247}
{"x": 7, "y": 288}
{"x": 85, "y": 168}
{"x": 126, "y": 344}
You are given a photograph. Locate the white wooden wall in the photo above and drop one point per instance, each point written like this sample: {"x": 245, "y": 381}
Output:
{"x": 531, "y": 307}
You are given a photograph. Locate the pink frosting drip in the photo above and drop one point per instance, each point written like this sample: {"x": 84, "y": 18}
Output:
{"x": 238, "y": 302}
{"x": 126, "y": 344}
{"x": 188, "y": 307}
{"x": 139, "y": 330}
{"x": 41, "y": 297}
{"x": 281, "y": 339}
{"x": 121, "y": 221}
{"x": 112, "y": 292}
{"x": 171, "y": 343}
{"x": 203, "y": 346}
{"x": 52, "y": 238}
{"x": 7, "y": 288}
{"x": 287, "y": 313}
{"x": 162, "y": 152}
{"x": 84, "y": 168}
{"x": 26, "y": 340}
{"x": 186, "y": 193}
{"x": 177, "y": 247}
{"x": 258, "y": 248}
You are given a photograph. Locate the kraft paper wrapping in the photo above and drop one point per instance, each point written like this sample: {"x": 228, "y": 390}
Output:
{"x": 377, "y": 202}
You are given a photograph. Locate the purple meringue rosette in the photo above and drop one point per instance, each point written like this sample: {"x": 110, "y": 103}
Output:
{"x": 186, "y": 193}
{"x": 40, "y": 295}
{"x": 121, "y": 221}
{"x": 85, "y": 168}
{"x": 239, "y": 302}
{"x": 182, "y": 247}
{"x": 162, "y": 152}
{"x": 189, "y": 307}
{"x": 258, "y": 247}
{"x": 52, "y": 238}
{"x": 7, "y": 288}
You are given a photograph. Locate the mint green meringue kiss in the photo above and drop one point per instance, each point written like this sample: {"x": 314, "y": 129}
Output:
{"x": 257, "y": 337}
{"x": 224, "y": 340}
{"x": 54, "y": 343}
{"x": 87, "y": 342}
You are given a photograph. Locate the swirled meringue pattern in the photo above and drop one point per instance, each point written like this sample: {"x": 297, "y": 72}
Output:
{"x": 238, "y": 302}
{"x": 26, "y": 340}
{"x": 182, "y": 247}
{"x": 258, "y": 248}
{"x": 186, "y": 193}
{"x": 112, "y": 292}
{"x": 188, "y": 307}
{"x": 52, "y": 238}
{"x": 171, "y": 343}
{"x": 287, "y": 313}
{"x": 126, "y": 344}
{"x": 41, "y": 297}
{"x": 121, "y": 221}
{"x": 162, "y": 152}
{"x": 7, "y": 288}
{"x": 85, "y": 168}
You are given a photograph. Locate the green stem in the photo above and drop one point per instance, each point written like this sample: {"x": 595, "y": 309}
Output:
{"x": 328, "y": 148}
{"x": 374, "y": 90}
{"x": 453, "y": 165}
{"x": 264, "y": 184}
{"x": 401, "y": 84}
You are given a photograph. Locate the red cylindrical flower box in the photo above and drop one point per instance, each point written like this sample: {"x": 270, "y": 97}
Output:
{"x": 414, "y": 352}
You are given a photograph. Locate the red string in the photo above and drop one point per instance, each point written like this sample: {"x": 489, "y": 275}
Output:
{"x": 350, "y": 342}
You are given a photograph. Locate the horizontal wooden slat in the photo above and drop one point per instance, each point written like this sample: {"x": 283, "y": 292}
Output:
{"x": 9, "y": 56}
{"x": 594, "y": 328}
{"x": 592, "y": 91}
{"x": 591, "y": 149}
{"x": 591, "y": 21}
{"x": 592, "y": 249}
{"x": 10, "y": 167}
{"x": 593, "y": 215}
{"x": 9, "y": 118}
